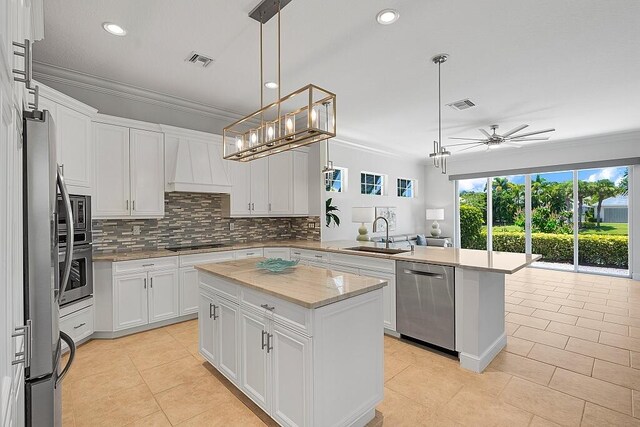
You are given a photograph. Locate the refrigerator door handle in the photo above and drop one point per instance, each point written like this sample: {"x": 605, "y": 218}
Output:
{"x": 68, "y": 256}
{"x": 72, "y": 354}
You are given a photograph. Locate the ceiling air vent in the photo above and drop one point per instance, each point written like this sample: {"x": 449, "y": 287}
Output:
{"x": 461, "y": 105}
{"x": 199, "y": 59}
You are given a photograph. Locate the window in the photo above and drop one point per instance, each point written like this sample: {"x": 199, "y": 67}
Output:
{"x": 336, "y": 181}
{"x": 406, "y": 187}
{"x": 371, "y": 183}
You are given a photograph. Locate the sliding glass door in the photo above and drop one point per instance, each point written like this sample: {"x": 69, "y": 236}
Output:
{"x": 603, "y": 220}
{"x": 577, "y": 220}
{"x": 552, "y": 231}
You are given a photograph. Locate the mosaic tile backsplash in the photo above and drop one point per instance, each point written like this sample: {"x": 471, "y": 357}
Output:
{"x": 196, "y": 218}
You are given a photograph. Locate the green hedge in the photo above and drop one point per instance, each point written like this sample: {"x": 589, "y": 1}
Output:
{"x": 596, "y": 250}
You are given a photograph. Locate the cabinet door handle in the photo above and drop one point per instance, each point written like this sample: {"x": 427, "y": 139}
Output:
{"x": 264, "y": 334}
{"x": 79, "y": 326}
{"x": 269, "y": 207}
{"x": 249, "y": 205}
{"x": 151, "y": 286}
{"x": 134, "y": 205}
{"x": 215, "y": 316}
{"x": 145, "y": 284}
{"x": 127, "y": 205}
{"x": 269, "y": 346}
{"x": 253, "y": 206}
{"x": 211, "y": 308}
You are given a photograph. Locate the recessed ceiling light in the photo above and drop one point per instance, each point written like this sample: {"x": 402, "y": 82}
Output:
{"x": 114, "y": 29}
{"x": 271, "y": 85}
{"x": 387, "y": 16}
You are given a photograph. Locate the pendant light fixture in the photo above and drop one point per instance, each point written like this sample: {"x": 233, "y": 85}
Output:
{"x": 440, "y": 153}
{"x": 300, "y": 118}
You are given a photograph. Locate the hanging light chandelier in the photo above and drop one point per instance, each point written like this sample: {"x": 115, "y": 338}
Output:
{"x": 440, "y": 153}
{"x": 300, "y": 118}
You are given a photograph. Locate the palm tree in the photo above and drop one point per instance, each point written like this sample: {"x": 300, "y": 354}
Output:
{"x": 602, "y": 190}
{"x": 624, "y": 183}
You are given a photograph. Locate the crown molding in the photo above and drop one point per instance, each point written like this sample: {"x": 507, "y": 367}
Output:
{"x": 52, "y": 73}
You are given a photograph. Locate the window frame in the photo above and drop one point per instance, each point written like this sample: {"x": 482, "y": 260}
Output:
{"x": 414, "y": 187}
{"x": 343, "y": 180}
{"x": 383, "y": 183}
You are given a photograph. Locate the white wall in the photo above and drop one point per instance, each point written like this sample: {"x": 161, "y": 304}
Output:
{"x": 410, "y": 212}
{"x": 597, "y": 148}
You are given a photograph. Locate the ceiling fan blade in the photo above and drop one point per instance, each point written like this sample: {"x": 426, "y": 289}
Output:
{"x": 465, "y": 149}
{"x": 485, "y": 133}
{"x": 465, "y": 143}
{"x": 535, "y": 133}
{"x": 518, "y": 139}
{"x": 514, "y": 130}
{"x": 468, "y": 139}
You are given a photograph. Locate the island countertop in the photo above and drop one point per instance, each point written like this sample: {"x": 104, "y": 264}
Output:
{"x": 310, "y": 287}
{"x": 498, "y": 262}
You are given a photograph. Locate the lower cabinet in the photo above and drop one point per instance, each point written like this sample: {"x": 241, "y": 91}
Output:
{"x": 143, "y": 298}
{"x": 269, "y": 362}
{"x": 219, "y": 344}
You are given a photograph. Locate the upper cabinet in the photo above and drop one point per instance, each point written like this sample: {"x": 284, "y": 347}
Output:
{"x": 74, "y": 145}
{"x": 129, "y": 172}
{"x": 277, "y": 185}
{"x": 193, "y": 162}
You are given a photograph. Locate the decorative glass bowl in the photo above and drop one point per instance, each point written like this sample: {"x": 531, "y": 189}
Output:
{"x": 276, "y": 265}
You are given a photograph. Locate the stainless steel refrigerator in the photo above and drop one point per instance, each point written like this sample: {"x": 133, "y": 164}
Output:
{"x": 43, "y": 272}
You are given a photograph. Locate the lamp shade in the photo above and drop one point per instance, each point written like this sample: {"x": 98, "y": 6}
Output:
{"x": 435, "y": 214}
{"x": 362, "y": 215}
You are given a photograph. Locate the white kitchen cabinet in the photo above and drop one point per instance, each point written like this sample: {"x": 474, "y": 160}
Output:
{"x": 260, "y": 187}
{"x": 276, "y": 185}
{"x": 147, "y": 173}
{"x": 300, "y": 183}
{"x": 282, "y": 253}
{"x": 388, "y": 295}
{"x": 254, "y": 368}
{"x": 206, "y": 328}
{"x": 240, "y": 176}
{"x": 74, "y": 146}
{"x": 129, "y": 172}
{"x": 112, "y": 193}
{"x": 163, "y": 295}
{"x": 291, "y": 375}
{"x": 78, "y": 324}
{"x": 249, "y": 253}
{"x": 228, "y": 321}
{"x": 74, "y": 141}
{"x": 280, "y": 183}
{"x": 130, "y": 301}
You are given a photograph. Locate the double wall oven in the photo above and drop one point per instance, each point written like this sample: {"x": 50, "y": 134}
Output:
{"x": 80, "y": 282}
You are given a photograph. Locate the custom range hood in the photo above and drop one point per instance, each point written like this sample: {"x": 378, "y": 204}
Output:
{"x": 193, "y": 163}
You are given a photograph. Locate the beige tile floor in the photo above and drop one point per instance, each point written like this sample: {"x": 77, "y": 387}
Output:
{"x": 573, "y": 358}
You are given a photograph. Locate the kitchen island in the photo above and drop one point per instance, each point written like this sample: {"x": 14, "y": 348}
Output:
{"x": 306, "y": 345}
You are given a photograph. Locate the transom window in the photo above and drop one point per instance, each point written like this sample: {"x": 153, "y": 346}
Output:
{"x": 372, "y": 183}
{"x": 336, "y": 181}
{"x": 406, "y": 187}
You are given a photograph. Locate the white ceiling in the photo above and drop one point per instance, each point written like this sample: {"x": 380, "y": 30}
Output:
{"x": 569, "y": 64}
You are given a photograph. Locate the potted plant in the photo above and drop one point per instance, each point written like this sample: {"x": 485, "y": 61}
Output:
{"x": 330, "y": 215}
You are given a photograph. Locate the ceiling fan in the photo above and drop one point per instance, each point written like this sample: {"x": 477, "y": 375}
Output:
{"x": 509, "y": 139}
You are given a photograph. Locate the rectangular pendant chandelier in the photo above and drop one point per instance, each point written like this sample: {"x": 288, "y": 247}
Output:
{"x": 303, "y": 117}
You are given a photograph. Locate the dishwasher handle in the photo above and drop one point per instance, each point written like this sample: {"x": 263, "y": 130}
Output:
{"x": 424, "y": 273}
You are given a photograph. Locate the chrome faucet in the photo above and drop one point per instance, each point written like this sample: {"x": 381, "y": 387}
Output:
{"x": 387, "y": 229}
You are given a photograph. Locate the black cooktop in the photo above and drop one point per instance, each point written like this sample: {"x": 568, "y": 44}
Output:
{"x": 195, "y": 247}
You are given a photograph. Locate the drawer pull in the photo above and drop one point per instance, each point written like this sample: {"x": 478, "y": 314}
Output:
{"x": 250, "y": 253}
{"x": 268, "y": 307}
{"x": 318, "y": 256}
{"x": 148, "y": 265}
{"x": 79, "y": 326}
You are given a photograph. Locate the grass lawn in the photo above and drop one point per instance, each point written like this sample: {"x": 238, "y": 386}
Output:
{"x": 609, "y": 228}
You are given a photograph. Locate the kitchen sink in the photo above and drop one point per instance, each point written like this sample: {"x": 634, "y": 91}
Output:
{"x": 390, "y": 251}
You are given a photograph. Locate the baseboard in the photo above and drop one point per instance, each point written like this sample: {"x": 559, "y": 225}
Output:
{"x": 478, "y": 364}
{"x": 364, "y": 419}
{"x": 391, "y": 333}
{"x": 143, "y": 328}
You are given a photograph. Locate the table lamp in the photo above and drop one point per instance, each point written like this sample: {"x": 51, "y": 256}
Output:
{"x": 435, "y": 215}
{"x": 362, "y": 215}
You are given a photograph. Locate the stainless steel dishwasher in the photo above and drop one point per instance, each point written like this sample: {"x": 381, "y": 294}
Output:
{"x": 425, "y": 303}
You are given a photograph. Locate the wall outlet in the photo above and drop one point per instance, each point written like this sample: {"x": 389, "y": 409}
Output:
{"x": 136, "y": 230}
{"x": 311, "y": 225}
{"x": 232, "y": 226}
